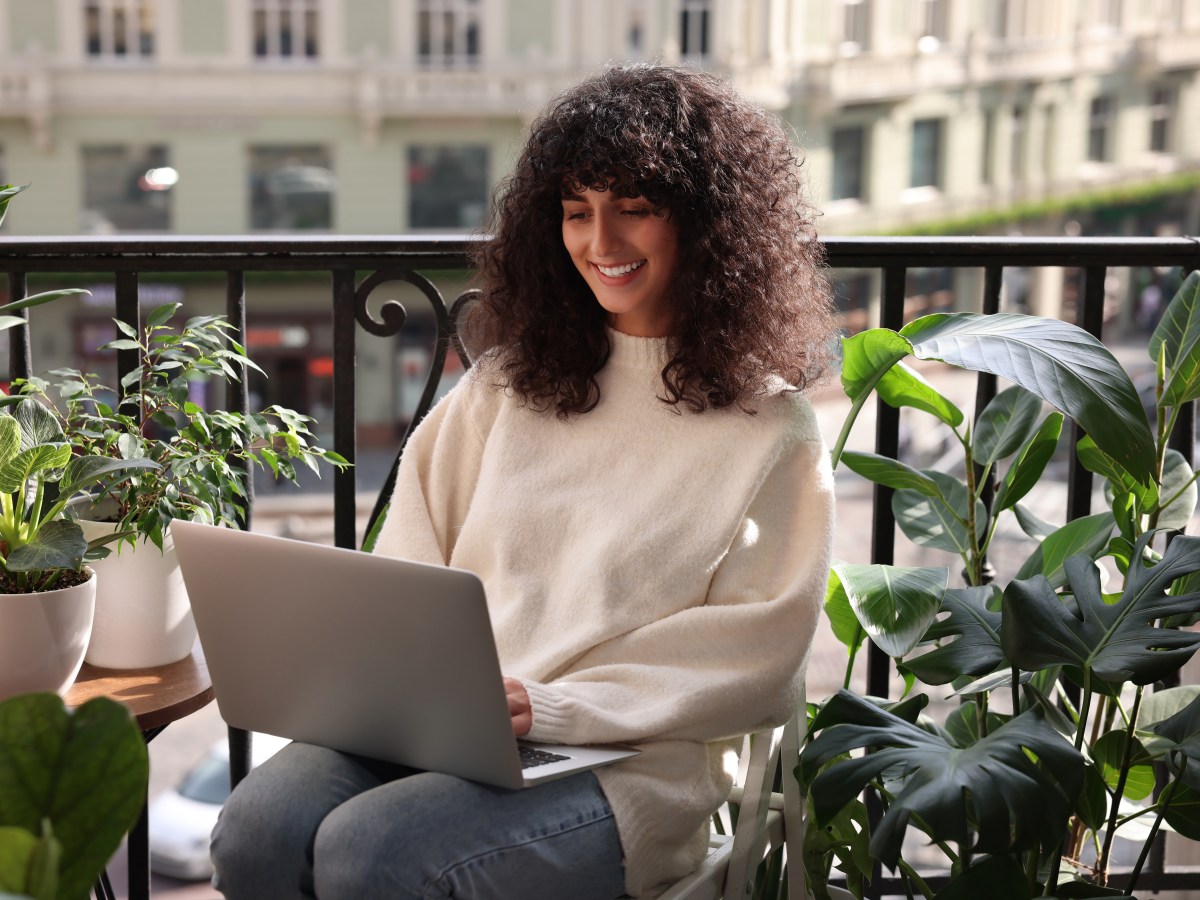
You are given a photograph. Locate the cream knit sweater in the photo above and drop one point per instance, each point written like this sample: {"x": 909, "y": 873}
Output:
{"x": 653, "y": 576}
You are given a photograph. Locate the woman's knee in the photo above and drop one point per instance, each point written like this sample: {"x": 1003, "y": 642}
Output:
{"x": 263, "y": 836}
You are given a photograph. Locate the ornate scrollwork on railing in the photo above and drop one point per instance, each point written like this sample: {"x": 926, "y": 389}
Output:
{"x": 392, "y": 317}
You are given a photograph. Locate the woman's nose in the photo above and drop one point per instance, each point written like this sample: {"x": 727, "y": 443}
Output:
{"x": 606, "y": 236}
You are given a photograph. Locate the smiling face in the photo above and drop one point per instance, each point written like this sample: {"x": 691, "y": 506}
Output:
{"x": 627, "y": 253}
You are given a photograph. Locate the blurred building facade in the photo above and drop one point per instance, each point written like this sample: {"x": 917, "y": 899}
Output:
{"x": 400, "y": 116}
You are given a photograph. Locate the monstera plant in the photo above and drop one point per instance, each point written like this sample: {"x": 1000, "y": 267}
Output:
{"x": 1060, "y": 669}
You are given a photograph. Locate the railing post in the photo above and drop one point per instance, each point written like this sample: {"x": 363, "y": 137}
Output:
{"x": 18, "y": 338}
{"x": 344, "y": 438}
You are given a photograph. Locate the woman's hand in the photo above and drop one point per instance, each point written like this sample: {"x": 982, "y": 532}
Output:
{"x": 518, "y": 706}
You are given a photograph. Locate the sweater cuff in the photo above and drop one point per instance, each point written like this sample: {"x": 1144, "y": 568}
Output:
{"x": 550, "y": 717}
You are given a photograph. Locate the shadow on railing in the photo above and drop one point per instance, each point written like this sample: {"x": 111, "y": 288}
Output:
{"x": 408, "y": 259}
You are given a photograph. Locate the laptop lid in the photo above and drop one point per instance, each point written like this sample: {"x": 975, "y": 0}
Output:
{"x": 368, "y": 654}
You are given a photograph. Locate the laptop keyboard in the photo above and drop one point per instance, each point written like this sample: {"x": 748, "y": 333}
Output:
{"x": 532, "y": 756}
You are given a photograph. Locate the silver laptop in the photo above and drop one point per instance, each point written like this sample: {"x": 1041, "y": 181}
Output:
{"x": 367, "y": 654}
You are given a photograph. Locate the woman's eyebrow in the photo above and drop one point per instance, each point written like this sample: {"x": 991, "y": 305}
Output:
{"x": 570, "y": 195}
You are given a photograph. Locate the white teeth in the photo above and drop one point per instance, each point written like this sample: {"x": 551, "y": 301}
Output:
{"x": 618, "y": 271}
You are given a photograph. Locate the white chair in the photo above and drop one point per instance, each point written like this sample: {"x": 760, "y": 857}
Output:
{"x": 766, "y": 820}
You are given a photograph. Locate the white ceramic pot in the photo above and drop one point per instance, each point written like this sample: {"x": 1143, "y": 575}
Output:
{"x": 143, "y": 617}
{"x": 43, "y": 637}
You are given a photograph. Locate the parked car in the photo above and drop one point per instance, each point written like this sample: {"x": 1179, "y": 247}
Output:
{"x": 182, "y": 817}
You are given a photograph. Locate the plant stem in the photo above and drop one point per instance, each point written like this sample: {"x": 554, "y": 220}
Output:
{"x": 1111, "y": 832}
{"x": 835, "y": 454}
{"x": 1164, "y": 802}
{"x": 1084, "y": 709}
{"x": 1016, "y": 690}
{"x": 910, "y": 873}
{"x": 981, "y": 711}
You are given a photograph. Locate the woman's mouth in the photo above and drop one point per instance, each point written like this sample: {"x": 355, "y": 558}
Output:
{"x": 619, "y": 272}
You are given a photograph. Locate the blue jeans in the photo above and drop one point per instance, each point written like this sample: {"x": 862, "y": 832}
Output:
{"x": 315, "y": 822}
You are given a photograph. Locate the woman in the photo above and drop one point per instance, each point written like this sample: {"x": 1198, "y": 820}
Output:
{"x": 633, "y": 473}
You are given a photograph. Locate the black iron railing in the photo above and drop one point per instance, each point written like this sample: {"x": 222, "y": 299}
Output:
{"x": 358, "y": 266}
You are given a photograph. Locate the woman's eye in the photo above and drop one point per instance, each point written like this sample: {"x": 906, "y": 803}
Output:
{"x": 638, "y": 213}
{"x": 574, "y": 215}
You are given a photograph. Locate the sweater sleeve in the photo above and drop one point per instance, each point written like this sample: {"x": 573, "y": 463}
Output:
{"x": 731, "y": 665}
{"x": 436, "y": 479}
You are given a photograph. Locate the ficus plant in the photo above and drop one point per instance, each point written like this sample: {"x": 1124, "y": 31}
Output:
{"x": 1051, "y": 751}
{"x": 202, "y": 457}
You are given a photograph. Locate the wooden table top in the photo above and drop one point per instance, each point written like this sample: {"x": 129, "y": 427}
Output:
{"x": 157, "y": 696}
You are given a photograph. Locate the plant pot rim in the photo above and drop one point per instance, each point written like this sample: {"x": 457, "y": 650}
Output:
{"x": 91, "y": 579}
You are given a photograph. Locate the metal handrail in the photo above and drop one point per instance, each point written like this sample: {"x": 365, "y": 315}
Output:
{"x": 412, "y": 258}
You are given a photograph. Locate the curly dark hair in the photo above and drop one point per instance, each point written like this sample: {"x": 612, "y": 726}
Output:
{"x": 750, "y": 293}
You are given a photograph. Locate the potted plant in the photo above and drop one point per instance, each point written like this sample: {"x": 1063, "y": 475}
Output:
{"x": 49, "y": 594}
{"x": 1051, "y": 751}
{"x": 201, "y": 456}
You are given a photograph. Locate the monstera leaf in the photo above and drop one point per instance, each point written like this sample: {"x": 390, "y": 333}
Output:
{"x": 990, "y": 796}
{"x": 1117, "y": 642}
{"x": 1182, "y": 732}
{"x": 975, "y": 629}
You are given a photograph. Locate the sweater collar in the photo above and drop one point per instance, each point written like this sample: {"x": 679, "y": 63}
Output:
{"x": 637, "y": 352}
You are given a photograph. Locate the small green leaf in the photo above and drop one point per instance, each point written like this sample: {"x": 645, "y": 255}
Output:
{"x": 1096, "y": 460}
{"x": 867, "y": 356}
{"x": 1178, "y": 482}
{"x": 1178, "y": 334}
{"x": 1109, "y": 751}
{"x": 1030, "y": 524}
{"x": 1005, "y": 424}
{"x": 1087, "y": 535}
{"x": 162, "y": 314}
{"x": 890, "y": 472}
{"x": 938, "y": 522}
{"x": 1026, "y": 470}
{"x": 1092, "y": 805}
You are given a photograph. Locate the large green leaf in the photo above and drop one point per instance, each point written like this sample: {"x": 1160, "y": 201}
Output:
{"x": 1178, "y": 336}
{"x": 84, "y": 771}
{"x": 903, "y": 386}
{"x": 10, "y": 438}
{"x": 1057, "y": 361}
{"x": 59, "y": 544}
{"x": 83, "y": 472}
{"x": 1121, "y": 481}
{"x": 1178, "y": 492}
{"x": 975, "y": 633}
{"x": 1087, "y": 535}
{"x": 1183, "y": 812}
{"x": 1108, "y": 752}
{"x": 35, "y": 460}
{"x": 989, "y": 796}
{"x": 867, "y": 357}
{"x": 1182, "y": 750}
{"x": 1117, "y": 642}
{"x": 890, "y": 472}
{"x": 938, "y": 522}
{"x": 842, "y": 621}
{"x": 991, "y": 876}
{"x": 38, "y": 424}
{"x": 1005, "y": 424}
{"x": 894, "y": 604}
{"x": 1026, "y": 470}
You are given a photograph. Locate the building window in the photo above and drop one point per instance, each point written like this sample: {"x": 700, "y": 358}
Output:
{"x": 448, "y": 33}
{"x": 286, "y": 29}
{"x": 934, "y": 29}
{"x": 119, "y": 29}
{"x": 694, "y": 21}
{"x": 926, "y": 167}
{"x": 849, "y": 162}
{"x": 1017, "y": 142}
{"x": 987, "y": 160}
{"x": 447, "y": 187}
{"x": 856, "y": 27}
{"x": 635, "y": 32}
{"x": 126, "y": 187}
{"x": 1162, "y": 111}
{"x": 1100, "y": 122}
{"x": 291, "y": 188}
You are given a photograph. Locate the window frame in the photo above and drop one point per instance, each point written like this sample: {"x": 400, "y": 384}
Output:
{"x": 119, "y": 30}
{"x": 448, "y": 33}
{"x": 280, "y": 42}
